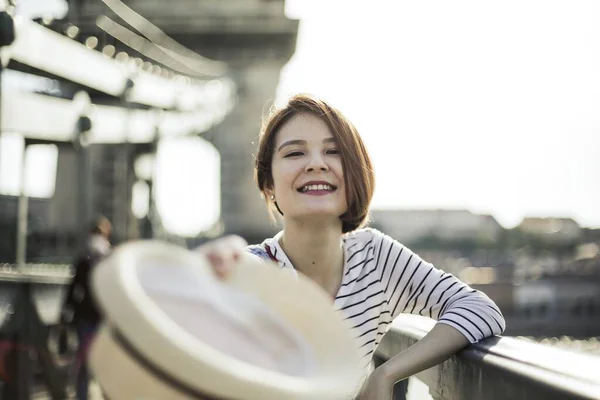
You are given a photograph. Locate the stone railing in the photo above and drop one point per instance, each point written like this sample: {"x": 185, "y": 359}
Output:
{"x": 496, "y": 368}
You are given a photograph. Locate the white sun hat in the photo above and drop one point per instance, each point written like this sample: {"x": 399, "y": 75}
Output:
{"x": 173, "y": 331}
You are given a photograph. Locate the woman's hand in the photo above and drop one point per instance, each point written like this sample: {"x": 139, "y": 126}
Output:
{"x": 223, "y": 253}
{"x": 377, "y": 387}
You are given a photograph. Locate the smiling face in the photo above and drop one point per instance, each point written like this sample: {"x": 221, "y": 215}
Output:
{"x": 307, "y": 171}
{"x": 308, "y": 178}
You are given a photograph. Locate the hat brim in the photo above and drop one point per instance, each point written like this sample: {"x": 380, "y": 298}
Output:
{"x": 123, "y": 373}
{"x": 178, "y": 364}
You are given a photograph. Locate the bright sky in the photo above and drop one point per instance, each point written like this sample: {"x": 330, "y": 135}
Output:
{"x": 493, "y": 107}
{"x": 188, "y": 194}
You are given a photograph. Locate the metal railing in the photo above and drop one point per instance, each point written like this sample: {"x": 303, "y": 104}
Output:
{"x": 31, "y": 297}
{"x": 496, "y": 368}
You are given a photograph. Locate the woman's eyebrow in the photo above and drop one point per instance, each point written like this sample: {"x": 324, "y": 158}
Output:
{"x": 291, "y": 142}
{"x": 303, "y": 142}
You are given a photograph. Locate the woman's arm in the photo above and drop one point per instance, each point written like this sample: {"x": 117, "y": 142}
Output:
{"x": 437, "y": 346}
{"x": 414, "y": 286}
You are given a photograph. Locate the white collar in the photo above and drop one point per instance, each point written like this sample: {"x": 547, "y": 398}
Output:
{"x": 273, "y": 246}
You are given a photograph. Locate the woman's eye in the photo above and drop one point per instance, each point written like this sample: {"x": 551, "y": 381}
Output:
{"x": 333, "y": 151}
{"x": 293, "y": 154}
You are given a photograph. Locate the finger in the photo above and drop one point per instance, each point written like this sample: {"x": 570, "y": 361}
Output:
{"x": 218, "y": 266}
{"x": 221, "y": 272}
{"x": 222, "y": 260}
{"x": 215, "y": 259}
{"x": 231, "y": 243}
{"x": 230, "y": 248}
{"x": 223, "y": 253}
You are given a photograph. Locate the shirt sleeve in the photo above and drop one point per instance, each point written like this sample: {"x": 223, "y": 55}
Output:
{"x": 415, "y": 286}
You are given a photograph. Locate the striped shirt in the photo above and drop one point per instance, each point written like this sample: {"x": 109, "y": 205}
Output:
{"x": 383, "y": 278}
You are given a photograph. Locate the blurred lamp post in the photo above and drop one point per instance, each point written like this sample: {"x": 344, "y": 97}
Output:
{"x": 82, "y": 103}
{"x": 23, "y": 210}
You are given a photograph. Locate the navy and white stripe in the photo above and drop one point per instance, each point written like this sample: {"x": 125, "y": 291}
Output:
{"x": 383, "y": 278}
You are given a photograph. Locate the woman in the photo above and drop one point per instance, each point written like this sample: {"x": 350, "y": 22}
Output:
{"x": 313, "y": 168}
{"x": 79, "y": 302}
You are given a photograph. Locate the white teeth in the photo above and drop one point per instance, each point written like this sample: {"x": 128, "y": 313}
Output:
{"x": 316, "y": 187}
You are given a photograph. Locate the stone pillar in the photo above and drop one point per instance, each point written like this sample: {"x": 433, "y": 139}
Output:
{"x": 244, "y": 211}
{"x": 255, "y": 39}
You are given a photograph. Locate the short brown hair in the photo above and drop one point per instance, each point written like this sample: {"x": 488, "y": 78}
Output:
{"x": 359, "y": 178}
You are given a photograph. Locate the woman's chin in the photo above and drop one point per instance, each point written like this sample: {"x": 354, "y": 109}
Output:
{"x": 319, "y": 214}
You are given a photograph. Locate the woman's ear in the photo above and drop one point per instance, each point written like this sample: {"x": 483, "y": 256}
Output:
{"x": 269, "y": 194}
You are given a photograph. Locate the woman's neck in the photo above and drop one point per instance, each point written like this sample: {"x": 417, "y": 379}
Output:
{"x": 316, "y": 250}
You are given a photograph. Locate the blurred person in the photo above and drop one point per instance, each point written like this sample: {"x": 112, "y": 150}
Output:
{"x": 80, "y": 309}
{"x": 313, "y": 168}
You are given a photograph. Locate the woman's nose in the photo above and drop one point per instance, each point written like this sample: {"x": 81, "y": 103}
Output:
{"x": 316, "y": 163}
